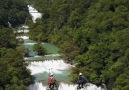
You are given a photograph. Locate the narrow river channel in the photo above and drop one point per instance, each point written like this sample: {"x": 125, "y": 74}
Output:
{"x": 48, "y": 63}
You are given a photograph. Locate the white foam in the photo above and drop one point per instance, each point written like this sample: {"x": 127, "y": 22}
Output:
{"x": 23, "y": 37}
{"x": 54, "y": 66}
{"x": 53, "y": 55}
{"x": 37, "y": 56}
{"x": 34, "y": 13}
{"x": 25, "y": 27}
{"x": 63, "y": 86}
{"x": 29, "y": 43}
{"x": 37, "y": 86}
{"x": 90, "y": 86}
{"x": 21, "y": 31}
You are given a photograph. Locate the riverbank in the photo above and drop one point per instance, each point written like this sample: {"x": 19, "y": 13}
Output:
{"x": 61, "y": 70}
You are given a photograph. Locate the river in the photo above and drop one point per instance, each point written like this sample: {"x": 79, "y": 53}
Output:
{"x": 52, "y": 63}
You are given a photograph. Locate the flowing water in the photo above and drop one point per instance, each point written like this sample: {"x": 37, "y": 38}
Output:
{"x": 51, "y": 63}
{"x": 34, "y": 13}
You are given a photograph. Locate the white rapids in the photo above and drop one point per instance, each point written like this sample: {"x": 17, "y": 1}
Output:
{"x": 51, "y": 65}
{"x": 63, "y": 86}
{"x": 56, "y": 66}
{"x": 34, "y": 13}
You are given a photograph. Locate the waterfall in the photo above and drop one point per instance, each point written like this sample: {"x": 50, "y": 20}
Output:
{"x": 42, "y": 69}
{"x": 57, "y": 67}
{"x": 37, "y": 86}
{"x": 54, "y": 66}
{"x": 63, "y": 86}
{"x": 34, "y": 13}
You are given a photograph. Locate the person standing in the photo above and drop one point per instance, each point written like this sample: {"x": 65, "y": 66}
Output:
{"x": 81, "y": 81}
{"x": 51, "y": 81}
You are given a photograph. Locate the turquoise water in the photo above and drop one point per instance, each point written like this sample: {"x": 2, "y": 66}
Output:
{"x": 43, "y": 77}
{"x": 52, "y": 54}
{"x": 64, "y": 76}
{"x": 52, "y": 51}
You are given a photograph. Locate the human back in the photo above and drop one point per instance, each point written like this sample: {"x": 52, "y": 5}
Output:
{"x": 51, "y": 80}
{"x": 82, "y": 78}
{"x": 52, "y": 83}
{"x": 81, "y": 81}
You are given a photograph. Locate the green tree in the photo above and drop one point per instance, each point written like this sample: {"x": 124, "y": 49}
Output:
{"x": 70, "y": 51}
{"x": 92, "y": 33}
{"x": 7, "y": 38}
{"x": 23, "y": 50}
{"x": 14, "y": 72}
{"x": 39, "y": 49}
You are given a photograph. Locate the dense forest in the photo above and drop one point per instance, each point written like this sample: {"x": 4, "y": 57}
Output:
{"x": 13, "y": 72}
{"x": 92, "y": 33}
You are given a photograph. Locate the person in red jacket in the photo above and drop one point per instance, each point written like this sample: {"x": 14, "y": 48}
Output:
{"x": 51, "y": 81}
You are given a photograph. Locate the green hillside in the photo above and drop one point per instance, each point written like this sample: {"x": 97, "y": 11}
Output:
{"x": 13, "y": 72}
{"x": 93, "y": 33}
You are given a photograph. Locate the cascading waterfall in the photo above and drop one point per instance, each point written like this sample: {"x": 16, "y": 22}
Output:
{"x": 37, "y": 86}
{"x": 54, "y": 66}
{"x": 57, "y": 67}
{"x": 34, "y": 13}
{"x": 43, "y": 68}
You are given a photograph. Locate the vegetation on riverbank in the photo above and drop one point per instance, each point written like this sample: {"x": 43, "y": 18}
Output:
{"x": 39, "y": 49}
{"x": 13, "y": 72}
{"x": 93, "y": 33}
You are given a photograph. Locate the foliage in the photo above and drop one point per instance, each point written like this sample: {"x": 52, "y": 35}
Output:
{"x": 23, "y": 50}
{"x": 7, "y": 38}
{"x": 92, "y": 33}
{"x": 70, "y": 51}
{"x": 13, "y": 11}
{"x": 39, "y": 49}
{"x": 37, "y": 31}
{"x": 14, "y": 74}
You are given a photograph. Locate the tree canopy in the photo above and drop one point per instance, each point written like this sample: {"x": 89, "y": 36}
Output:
{"x": 13, "y": 12}
{"x": 93, "y": 33}
{"x": 14, "y": 74}
{"x": 39, "y": 49}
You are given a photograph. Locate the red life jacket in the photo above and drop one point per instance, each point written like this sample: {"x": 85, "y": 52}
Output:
{"x": 51, "y": 80}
